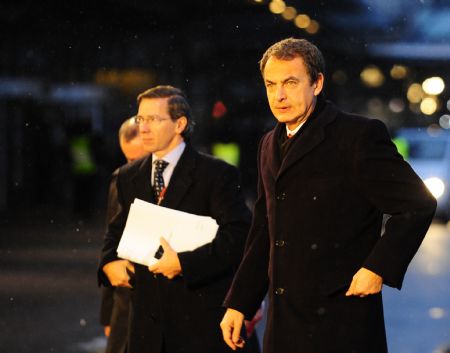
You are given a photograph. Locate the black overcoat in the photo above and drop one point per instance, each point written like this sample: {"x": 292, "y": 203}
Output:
{"x": 317, "y": 221}
{"x": 183, "y": 314}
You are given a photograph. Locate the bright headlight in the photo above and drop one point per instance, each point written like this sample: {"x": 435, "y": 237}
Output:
{"x": 436, "y": 186}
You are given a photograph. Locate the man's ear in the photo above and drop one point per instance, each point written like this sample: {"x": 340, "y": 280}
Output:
{"x": 319, "y": 84}
{"x": 181, "y": 124}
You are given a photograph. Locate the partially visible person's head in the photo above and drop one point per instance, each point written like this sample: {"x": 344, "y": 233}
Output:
{"x": 164, "y": 118}
{"x": 290, "y": 48}
{"x": 130, "y": 140}
{"x": 293, "y": 75}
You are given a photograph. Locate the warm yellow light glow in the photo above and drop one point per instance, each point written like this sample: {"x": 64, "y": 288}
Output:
{"x": 398, "y": 72}
{"x": 372, "y": 76}
{"x": 313, "y": 27}
{"x": 428, "y": 106}
{"x": 277, "y": 6}
{"x": 289, "y": 13}
{"x": 433, "y": 85}
{"x": 415, "y": 93}
{"x": 302, "y": 21}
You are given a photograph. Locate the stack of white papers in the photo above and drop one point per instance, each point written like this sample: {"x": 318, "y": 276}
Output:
{"x": 147, "y": 223}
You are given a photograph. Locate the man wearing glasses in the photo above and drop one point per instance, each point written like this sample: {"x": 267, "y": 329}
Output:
{"x": 176, "y": 303}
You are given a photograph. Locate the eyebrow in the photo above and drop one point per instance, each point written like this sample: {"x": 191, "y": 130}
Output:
{"x": 285, "y": 80}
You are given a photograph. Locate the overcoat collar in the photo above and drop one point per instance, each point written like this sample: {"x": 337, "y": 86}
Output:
{"x": 179, "y": 182}
{"x": 310, "y": 137}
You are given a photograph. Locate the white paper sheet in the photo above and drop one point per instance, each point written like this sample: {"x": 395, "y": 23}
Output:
{"x": 147, "y": 222}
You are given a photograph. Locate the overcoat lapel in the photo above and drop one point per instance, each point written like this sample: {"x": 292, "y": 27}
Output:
{"x": 142, "y": 180}
{"x": 311, "y": 137}
{"x": 181, "y": 179}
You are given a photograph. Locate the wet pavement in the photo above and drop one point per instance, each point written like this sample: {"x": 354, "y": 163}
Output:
{"x": 49, "y": 296}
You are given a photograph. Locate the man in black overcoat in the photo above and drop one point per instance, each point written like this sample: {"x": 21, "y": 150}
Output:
{"x": 325, "y": 180}
{"x": 115, "y": 303}
{"x": 176, "y": 303}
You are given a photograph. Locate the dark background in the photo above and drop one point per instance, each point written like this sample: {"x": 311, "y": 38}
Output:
{"x": 70, "y": 71}
{"x": 74, "y": 68}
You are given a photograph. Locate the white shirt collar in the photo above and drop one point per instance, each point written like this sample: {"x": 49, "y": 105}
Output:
{"x": 293, "y": 132}
{"x": 173, "y": 156}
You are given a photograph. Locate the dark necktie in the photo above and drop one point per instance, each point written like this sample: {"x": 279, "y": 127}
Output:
{"x": 158, "y": 180}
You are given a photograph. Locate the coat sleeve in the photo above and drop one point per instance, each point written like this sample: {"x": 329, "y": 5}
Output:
{"x": 390, "y": 184}
{"x": 115, "y": 223}
{"x": 106, "y": 305}
{"x": 251, "y": 281}
{"x": 223, "y": 254}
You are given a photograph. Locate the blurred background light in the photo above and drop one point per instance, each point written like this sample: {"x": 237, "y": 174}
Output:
{"x": 415, "y": 93}
{"x": 372, "y": 76}
{"x": 436, "y": 313}
{"x": 398, "y": 72}
{"x": 289, "y": 13}
{"x": 302, "y": 21}
{"x": 444, "y": 121}
{"x": 436, "y": 186}
{"x": 397, "y": 105}
{"x": 277, "y": 6}
{"x": 433, "y": 85}
{"x": 428, "y": 106}
{"x": 313, "y": 27}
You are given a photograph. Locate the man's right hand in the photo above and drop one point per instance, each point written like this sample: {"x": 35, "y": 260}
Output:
{"x": 231, "y": 326}
{"x": 116, "y": 271}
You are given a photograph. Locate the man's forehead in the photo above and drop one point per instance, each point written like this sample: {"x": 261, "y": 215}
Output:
{"x": 283, "y": 67}
{"x": 156, "y": 103}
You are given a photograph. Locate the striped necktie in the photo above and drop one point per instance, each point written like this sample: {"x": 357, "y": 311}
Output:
{"x": 158, "y": 180}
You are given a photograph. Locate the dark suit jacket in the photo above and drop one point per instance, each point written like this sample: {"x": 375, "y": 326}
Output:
{"x": 183, "y": 314}
{"x": 317, "y": 221}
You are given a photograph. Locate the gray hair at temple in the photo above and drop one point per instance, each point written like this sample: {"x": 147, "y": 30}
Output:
{"x": 290, "y": 48}
{"x": 177, "y": 105}
{"x": 129, "y": 130}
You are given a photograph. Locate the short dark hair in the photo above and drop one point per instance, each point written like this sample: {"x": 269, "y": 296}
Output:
{"x": 129, "y": 130}
{"x": 177, "y": 105}
{"x": 290, "y": 48}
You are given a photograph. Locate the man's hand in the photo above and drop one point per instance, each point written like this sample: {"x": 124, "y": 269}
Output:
{"x": 231, "y": 326}
{"x": 107, "y": 330}
{"x": 169, "y": 264}
{"x": 365, "y": 282}
{"x": 116, "y": 271}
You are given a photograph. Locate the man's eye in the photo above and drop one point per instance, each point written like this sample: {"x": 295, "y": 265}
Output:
{"x": 291, "y": 83}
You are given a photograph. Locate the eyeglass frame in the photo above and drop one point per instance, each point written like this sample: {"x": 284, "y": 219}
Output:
{"x": 150, "y": 119}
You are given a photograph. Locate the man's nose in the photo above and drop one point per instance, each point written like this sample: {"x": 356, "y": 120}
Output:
{"x": 144, "y": 127}
{"x": 280, "y": 93}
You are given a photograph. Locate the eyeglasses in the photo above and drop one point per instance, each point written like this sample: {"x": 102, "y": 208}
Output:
{"x": 151, "y": 119}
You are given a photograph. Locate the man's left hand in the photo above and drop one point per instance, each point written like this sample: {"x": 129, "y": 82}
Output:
{"x": 365, "y": 282}
{"x": 169, "y": 264}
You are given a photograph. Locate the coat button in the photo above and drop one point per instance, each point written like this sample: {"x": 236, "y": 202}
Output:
{"x": 280, "y": 243}
{"x": 281, "y": 196}
{"x": 279, "y": 291}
